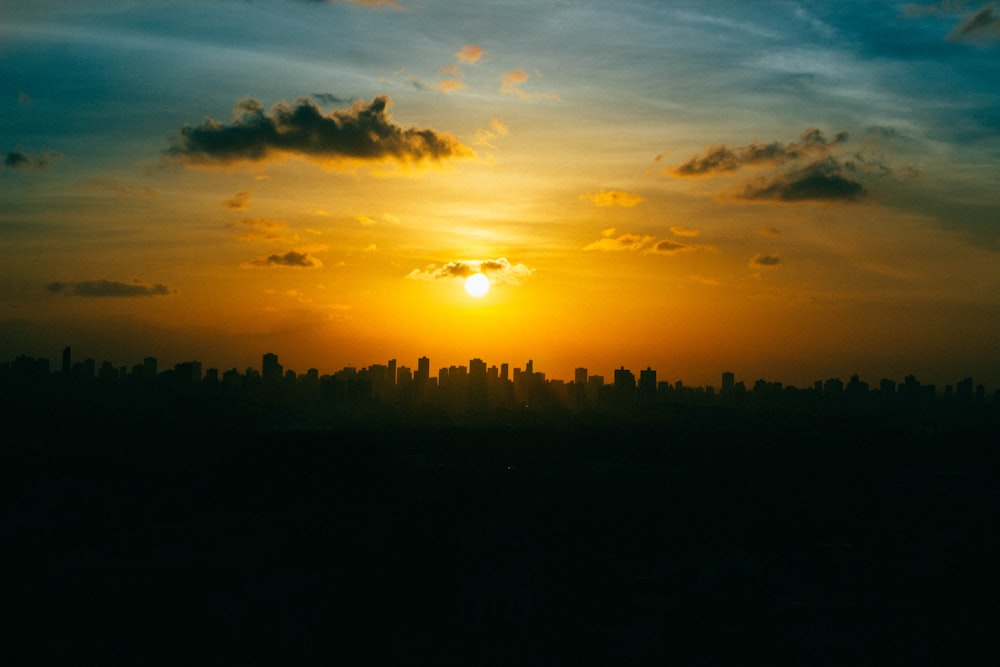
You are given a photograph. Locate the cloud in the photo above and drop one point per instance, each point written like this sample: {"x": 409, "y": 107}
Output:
{"x": 982, "y": 26}
{"x": 681, "y": 231}
{"x": 806, "y": 170}
{"x": 259, "y": 229}
{"x": 721, "y": 159}
{"x": 500, "y": 271}
{"x": 611, "y": 243}
{"x": 668, "y": 247}
{"x": 293, "y": 259}
{"x": 362, "y": 133}
{"x": 820, "y": 181}
{"x": 111, "y": 288}
{"x": 238, "y": 202}
{"x": 914, "y": 10}
{"x": 764, "y": 261}
{"x": 612, "y": 198}
{"x": 17, "y": 159}
{"x": 449, "y": 85}
{"x": 329, "y": 98}
{"x": 486, "y": 137}
{"x": 671, "y": 247}
{"x": 392, "y": 4}
{"x": 769, "y": 231}
{"x": 470, "y": 53}
{"x": 511, "y": 82}
{"x": 119, "y": 188}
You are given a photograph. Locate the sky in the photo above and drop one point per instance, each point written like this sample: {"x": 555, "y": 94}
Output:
{"x": 784, "y": 190}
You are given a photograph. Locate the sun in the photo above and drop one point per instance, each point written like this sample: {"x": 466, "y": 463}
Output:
{"x": 477, "y": 285}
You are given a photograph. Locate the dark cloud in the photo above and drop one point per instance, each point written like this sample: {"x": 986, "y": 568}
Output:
{"x": 500, "y": 271}
{"x": 119, "y": 188}
{"x": 820, "y": 181}
{"x": 982, "y": 26}
{"x": 238, "y": 202}
{"x": 364, "y": 132}
{"x": 114, "y": 288}
{"x": 722, "y": 159}
{"x": 329, "y": 98}
{"x": 293, "y": 259}
{"x": 764, "y": 261}
{"x": 671, "y": 247}
{"x": 20, "y": 160}
{"x": 668, "y": 247}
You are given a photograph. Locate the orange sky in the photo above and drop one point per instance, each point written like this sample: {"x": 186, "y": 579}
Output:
{"x": 784, "y": 194}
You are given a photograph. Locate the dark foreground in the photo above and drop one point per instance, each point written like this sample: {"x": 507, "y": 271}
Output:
{"x": 708, "y": 545}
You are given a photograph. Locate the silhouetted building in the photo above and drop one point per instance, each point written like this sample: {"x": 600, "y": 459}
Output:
{"x": 423, "y": 371}
{"x": 624, "y": 379}
{"x": 647, "y": 383}
{"x": 149, "y": 368}
{"x": 270, "y": 369}
{"x": 728, "y": 383}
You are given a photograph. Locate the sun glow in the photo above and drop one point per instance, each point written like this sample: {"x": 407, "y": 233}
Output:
{"x": 477, "y": 285}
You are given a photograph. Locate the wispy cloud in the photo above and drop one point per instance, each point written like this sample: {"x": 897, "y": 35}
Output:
{"x": 123, "y": 189}
{"x": 291, "y": 259}
{"x": 486, "y": 137}
{"x": 449, "y": 85}
{"x": 682, "y": 231}
{"x": 512, "y": 81}
{"x": 378, "y": 4}
{"x": 613, "y": 198}
{"x": 362, "y": 133}
{"x": 238, "y": 202}
{"x": 470, "y": 54}
{"x": 110, "y": 288}
{"x": 609, "y": 242}
{"x": 259, "y": 229}
{"x": 983, "y": 26}
{"x": 18, "y": 159}
{"x": 764, "y": 261}
{"x": 500, "y": 271}
{"x": 916, "y": 10}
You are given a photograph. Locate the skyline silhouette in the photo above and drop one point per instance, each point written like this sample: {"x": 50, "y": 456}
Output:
{"x": 396, "y": 332}
{"x": 392, "y": 376}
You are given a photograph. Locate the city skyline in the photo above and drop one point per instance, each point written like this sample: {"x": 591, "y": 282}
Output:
{"x": 392, "y": 372}
{"x": 779, "y": 189}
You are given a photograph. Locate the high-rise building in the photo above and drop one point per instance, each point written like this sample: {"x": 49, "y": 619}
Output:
{"x": 66, "y": 360}
{"x": 728, "y": 382}
{"x": 271, "y": 370}
{"x": 647, "y": 381}
{"x": 423, "y": 370}
{"x": 624, "y": 379}
{"x": 149, "y": 368}
{"x": 580, "y": 376}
